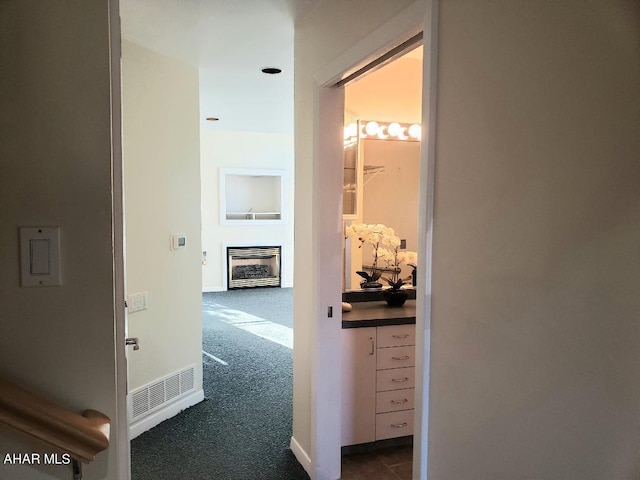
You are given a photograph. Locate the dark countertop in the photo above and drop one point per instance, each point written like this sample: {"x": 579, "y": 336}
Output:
{"x": 379, "y": 314}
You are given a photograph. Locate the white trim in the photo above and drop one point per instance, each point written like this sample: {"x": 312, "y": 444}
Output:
{"x": 165, "y": 413}
{"x": 121, "y": 422}
{"x": 425, "y": 241}
{"x": 301, "y": 455}
{"x": 326, "y": 357}
{"x": 212, "y": 289}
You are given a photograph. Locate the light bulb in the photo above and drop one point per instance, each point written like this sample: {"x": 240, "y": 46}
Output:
{"x": 394, "y": 129}
{"x": 401, "y": 135}
{"x": 381, "y": 133}
{"x": 415, "y": 130}
{"x": 350, "y": 130}
{"x": 372, "y": 128}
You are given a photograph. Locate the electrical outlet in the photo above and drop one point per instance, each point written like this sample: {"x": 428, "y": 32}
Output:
{"x": 403, "y": 243}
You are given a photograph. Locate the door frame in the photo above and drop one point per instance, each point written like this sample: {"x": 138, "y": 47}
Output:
{"x": 121, "y": 427}
{"x": 421, "y": 16}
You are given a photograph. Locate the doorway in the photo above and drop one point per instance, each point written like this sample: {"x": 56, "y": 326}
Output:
{"x": 327, "y": 186}
{"x": 175, "y": 232}
{"x": 383, "y": 109}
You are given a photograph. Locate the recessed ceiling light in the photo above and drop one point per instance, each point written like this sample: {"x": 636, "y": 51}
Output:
{"x": 212, "y": 119}
{"x": 271, "y": 70}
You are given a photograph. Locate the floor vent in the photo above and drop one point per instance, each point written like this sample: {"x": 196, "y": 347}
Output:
{"x": 153, "y": 396}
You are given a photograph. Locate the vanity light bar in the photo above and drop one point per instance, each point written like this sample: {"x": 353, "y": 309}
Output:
{"x": 410, "y": 132}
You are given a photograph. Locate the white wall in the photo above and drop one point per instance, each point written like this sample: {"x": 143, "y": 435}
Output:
{"x": 535, "y": 332}
{"x": 162, "y": 197}
{"x": 250, "y": 150}
{"x": 320, "y": 38}
{"x": 56, "y": 171}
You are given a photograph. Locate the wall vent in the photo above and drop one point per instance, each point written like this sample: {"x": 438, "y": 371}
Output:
{"x": 151, "y": 397}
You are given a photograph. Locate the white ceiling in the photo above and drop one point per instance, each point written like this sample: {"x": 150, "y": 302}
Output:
{"x": 229, "y": 41}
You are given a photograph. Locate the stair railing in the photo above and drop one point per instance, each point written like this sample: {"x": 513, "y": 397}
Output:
{"x": 82, "y": 437}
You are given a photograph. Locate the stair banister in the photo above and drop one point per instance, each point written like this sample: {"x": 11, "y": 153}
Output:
{"x": 82, "y": 436}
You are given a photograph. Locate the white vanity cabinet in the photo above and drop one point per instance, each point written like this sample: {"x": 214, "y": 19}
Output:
{"x": 377, "y": 383}
{"x": 395, "y": 380}
{"x": 358, "y": 385}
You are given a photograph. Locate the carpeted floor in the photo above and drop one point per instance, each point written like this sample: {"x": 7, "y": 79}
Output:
{"x": 242, "y": 431}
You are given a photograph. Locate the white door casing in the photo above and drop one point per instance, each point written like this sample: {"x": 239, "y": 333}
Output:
{"x": 325, "y": 424}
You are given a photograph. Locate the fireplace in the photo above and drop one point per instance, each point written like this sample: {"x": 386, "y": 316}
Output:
{"x": 251, "y": 267}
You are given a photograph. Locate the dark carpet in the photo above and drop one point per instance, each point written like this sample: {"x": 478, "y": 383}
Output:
{"x": 243, "y": 428}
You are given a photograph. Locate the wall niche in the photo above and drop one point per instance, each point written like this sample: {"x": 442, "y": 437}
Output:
{"x": 251, "y": 196}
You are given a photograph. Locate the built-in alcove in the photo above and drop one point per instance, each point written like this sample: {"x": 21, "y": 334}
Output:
{"x": 251, "y": 196}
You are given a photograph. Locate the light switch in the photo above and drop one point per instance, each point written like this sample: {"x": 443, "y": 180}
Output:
{"x": 40, "y": 252}
{"x": 40, "y": 256}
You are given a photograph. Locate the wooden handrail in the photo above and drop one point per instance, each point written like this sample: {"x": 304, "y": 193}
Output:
{"x": 81, "y": 436}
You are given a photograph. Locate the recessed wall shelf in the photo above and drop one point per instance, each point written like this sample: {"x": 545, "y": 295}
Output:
{"x": 251, "y": 196}
{"x": 253, "y": 215}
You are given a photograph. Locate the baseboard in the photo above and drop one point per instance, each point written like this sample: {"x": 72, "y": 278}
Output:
{"x": 159, "y": 416}
{"x": 213, "y": 289}
{"x": 301, "y": 455}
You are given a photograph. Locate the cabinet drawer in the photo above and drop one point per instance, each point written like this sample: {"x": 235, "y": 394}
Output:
{"x": 395, "y": 379}
{"x": 394, "y": 424}
{"x": 395, "y": 400}
{"x": 396, "y": 335}
{"x": 395, "y": 357}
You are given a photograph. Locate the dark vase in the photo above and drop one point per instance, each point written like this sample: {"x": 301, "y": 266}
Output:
{"x": 395, "y": 298}
{"x": 370, "y": 285}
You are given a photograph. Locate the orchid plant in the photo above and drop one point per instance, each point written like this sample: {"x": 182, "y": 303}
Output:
{"x": 394, "y": 259}
{"x": 385, "y": 244}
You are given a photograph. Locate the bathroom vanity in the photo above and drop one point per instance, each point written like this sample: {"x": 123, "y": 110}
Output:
{"x": 378, "y": 345}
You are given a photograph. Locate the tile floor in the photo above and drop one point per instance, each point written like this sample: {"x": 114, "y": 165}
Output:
{"x": 387, "y": 464}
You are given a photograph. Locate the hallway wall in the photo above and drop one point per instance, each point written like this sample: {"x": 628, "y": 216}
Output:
{"x": 56, "y": 171}
{"x": 535, "y": 332}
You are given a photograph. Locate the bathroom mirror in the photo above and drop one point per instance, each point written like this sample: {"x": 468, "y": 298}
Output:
{"x": 352, "y": 175}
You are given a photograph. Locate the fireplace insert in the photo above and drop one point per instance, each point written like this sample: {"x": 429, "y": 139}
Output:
{"x": 251, "y": 267}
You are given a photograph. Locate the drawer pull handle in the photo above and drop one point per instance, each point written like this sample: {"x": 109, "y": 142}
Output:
{"x": 400, "y": 380}
{"x": 399, "y": 402}
{"x": 399, "y": 425}
{"x": 406, "y": 335}
{"x": 372, "y": 346}
{"x": 406, "y": 357}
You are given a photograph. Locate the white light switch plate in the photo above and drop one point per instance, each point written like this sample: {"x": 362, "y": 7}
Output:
{"x": 40, "y": 256}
